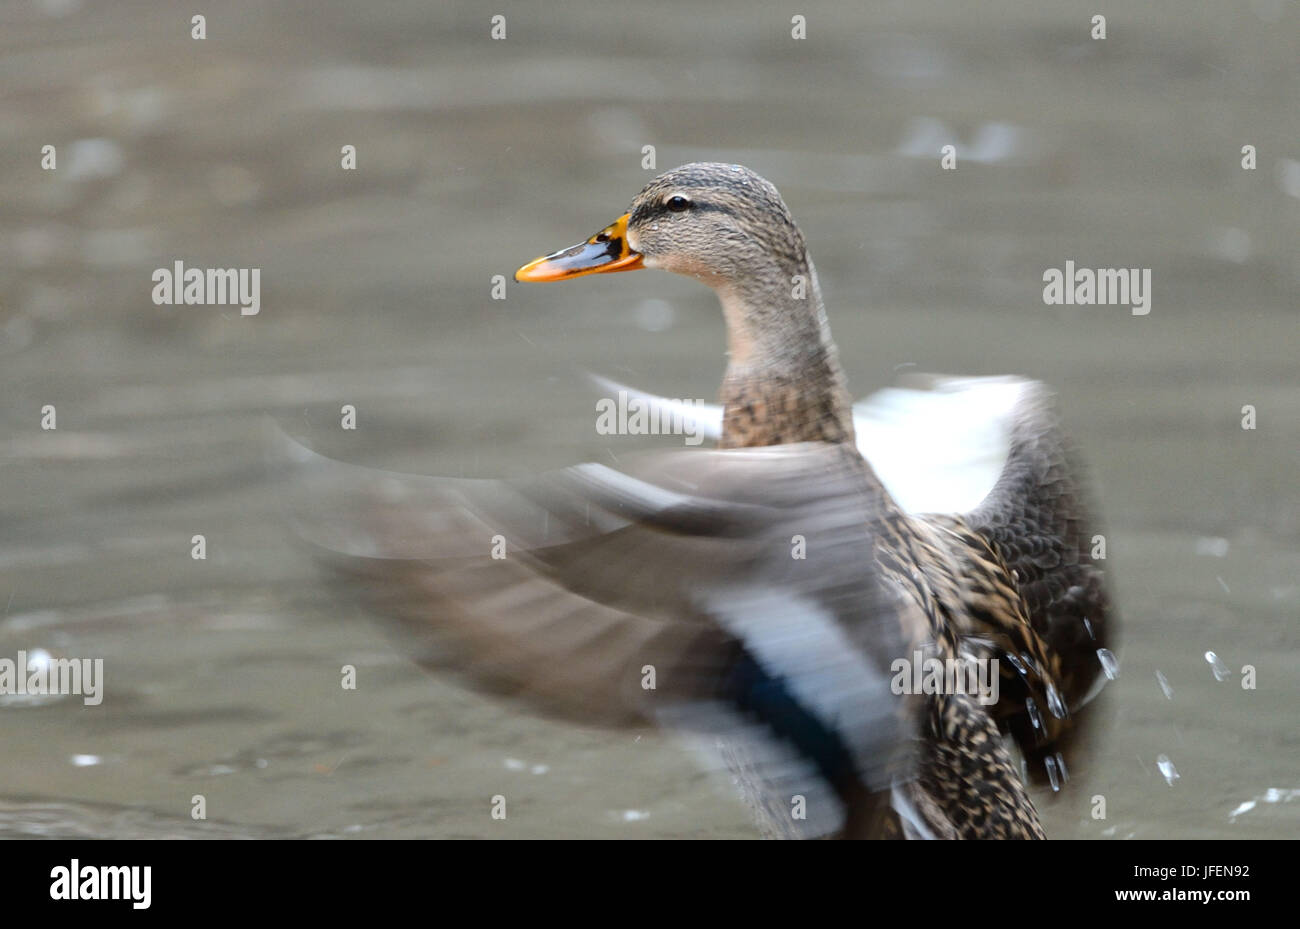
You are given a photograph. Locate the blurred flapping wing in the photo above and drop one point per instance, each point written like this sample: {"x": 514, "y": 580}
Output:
{"x": 727, "y": 594}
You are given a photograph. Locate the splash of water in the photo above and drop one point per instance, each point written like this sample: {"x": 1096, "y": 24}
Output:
{"x": 1109, "y": 663}
{"x": 1164, "y": 685}
{"x": 1034, "y": 716}
{"x": 1167, "y": 769}
{"x": 1055, "y": 704}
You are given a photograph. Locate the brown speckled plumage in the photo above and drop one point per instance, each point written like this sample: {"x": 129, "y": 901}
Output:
{"x": 781, "y": 410}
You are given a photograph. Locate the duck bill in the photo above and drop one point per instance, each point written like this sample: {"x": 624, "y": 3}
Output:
{"x": 606, "y": 251}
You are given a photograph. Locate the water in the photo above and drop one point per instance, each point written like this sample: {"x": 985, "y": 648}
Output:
{"x": 1164, "y": 685}
{"x": 1109, "y": 663}
{"x": 1168, "y": 771}
{"x": 223, "y": 675}
{"x": 1221, "y": 672}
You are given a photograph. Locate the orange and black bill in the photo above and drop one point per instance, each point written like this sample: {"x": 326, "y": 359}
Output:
{"x": 607, "y": 250}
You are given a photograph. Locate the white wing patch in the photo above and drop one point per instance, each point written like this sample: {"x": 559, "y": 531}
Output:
{"x": 939, "y": 447}
{"x": 937, "y": 443}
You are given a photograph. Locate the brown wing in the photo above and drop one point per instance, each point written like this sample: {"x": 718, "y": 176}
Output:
{"x": 1038, "y": 521}
{"x": 679, "y": 573}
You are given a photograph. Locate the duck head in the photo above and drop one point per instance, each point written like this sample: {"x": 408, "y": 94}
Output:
{"x": 717, "y": 223}
{"x": 727, "y": 227}
{"x": 721, "y": 224}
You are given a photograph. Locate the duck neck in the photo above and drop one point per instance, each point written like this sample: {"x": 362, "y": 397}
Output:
{"x": 783, "y": 382}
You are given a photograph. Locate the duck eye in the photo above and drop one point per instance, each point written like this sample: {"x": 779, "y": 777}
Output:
{"x": 678, "y": 204}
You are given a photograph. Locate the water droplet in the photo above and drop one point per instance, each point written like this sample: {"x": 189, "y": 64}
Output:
{"x": 1221, "y": 672}
{"x": 1243, "y": 808}
{"x": 1017, "y": 664}
{"x": 86, "y": 761}
{"x": 1055, "y": 704}
{"x": 1109, "y": 663}
{"x": 1060, "y": 764}
{"x": 635, "y": 816}
{"x": 1034, "y": 716}
{"x": 1164, "y": 685}
{"x": 1167, "y": 769}
{"x": 1050, "y": 763}
{"x": 1088, "y": 626}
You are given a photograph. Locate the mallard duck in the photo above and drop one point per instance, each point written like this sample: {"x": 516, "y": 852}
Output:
{"x": 759, "y": 596}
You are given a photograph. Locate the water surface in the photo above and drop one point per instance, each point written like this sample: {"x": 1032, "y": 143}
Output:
{"x": 474, "y": 156}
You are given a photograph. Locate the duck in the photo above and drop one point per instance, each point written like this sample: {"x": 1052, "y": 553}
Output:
{"x": 768, "y": 600}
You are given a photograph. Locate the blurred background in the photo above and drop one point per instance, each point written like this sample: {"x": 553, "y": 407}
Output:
{"x": 473, "y": 156}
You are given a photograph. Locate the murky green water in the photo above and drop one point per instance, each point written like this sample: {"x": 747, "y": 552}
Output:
{"x": 222, "y": 676}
